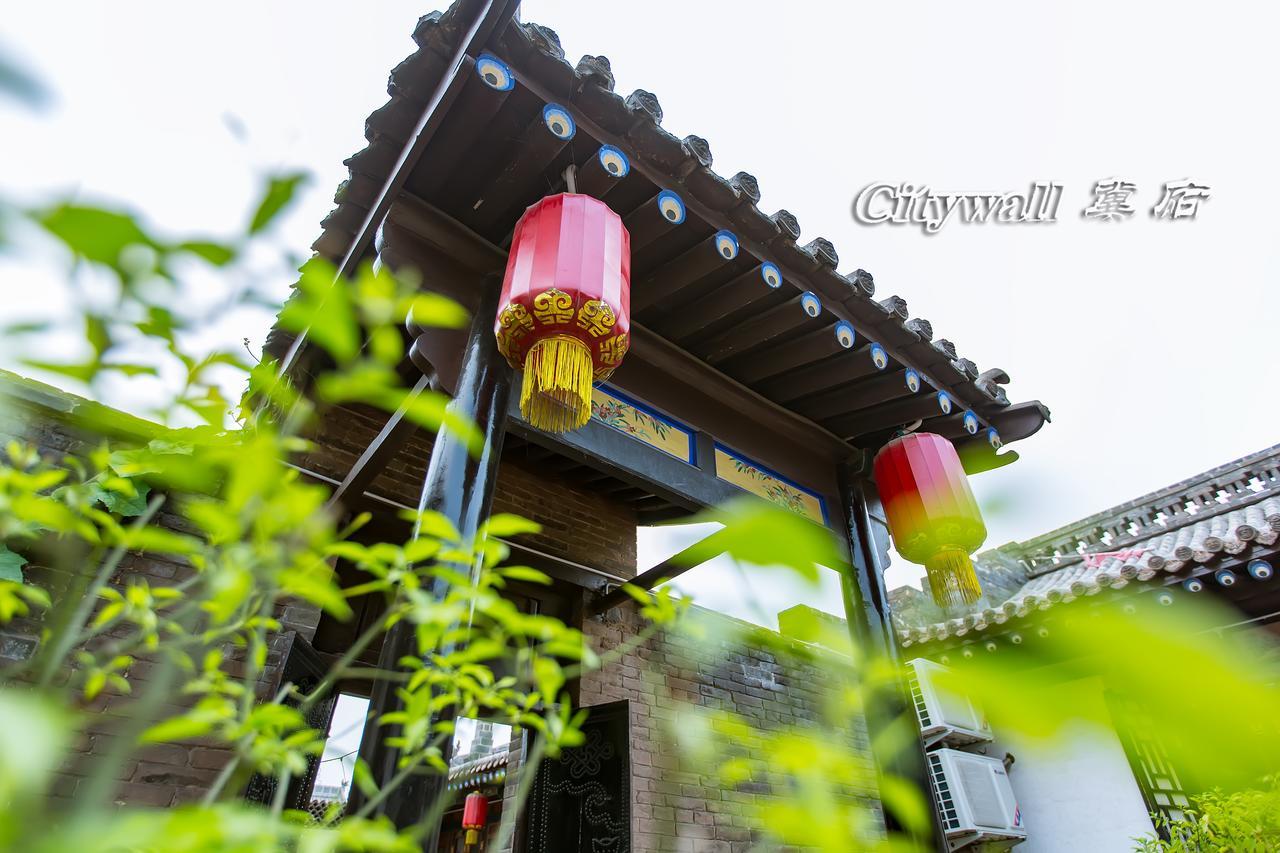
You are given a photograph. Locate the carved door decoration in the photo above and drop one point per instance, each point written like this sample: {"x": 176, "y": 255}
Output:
{"x": 581, "y": 803}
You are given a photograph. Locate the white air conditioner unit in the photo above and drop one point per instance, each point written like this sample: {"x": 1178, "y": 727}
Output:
{"x": 944, "y": 716}
{"x": 974, "y": 798}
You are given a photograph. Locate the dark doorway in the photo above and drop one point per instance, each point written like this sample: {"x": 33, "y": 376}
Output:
{"x": 581, "y": 802}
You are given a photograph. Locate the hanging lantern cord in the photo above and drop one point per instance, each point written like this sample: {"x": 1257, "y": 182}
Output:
{"x": 571, "y": 178}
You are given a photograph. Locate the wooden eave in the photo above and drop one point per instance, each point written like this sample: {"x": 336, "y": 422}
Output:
{"x": 709, "y": 335}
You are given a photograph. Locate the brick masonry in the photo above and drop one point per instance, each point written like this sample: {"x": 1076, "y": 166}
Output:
{"x": 158, "y": 774}
{"x": 678, "y": 805}
{"x": 674, "y": 807}
{"x": 577, "y": 524}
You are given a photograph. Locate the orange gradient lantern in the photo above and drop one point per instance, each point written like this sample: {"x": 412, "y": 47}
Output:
{"x": 563, "y": 313}
{"x": 932, "y": 514}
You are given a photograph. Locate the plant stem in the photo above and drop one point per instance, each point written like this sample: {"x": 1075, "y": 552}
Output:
{"x": 68, "y": 636}
{"x": 224, "y": 775}
{"x": 396, "y": 781}
{"x": 282, "y": 790}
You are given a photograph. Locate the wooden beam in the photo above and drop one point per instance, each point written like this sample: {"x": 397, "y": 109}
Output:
{"x": 535, "y": 150}
{"x": 892, "y": 414}
{"x": 661, "y": 284}
{"x": 784, "y": 355}
{"x": 672, "y": 567}
{"x": 838, "y": 370}
{"x": 635, "y": 464}
{"x": 792, "y": 318}
{"x": 744, "y": 296}
{"x": 858, "y": 395}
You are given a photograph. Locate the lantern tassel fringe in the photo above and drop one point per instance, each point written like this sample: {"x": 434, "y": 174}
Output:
{"x": 556, "y": 392}
{"x": 952, "y": 578}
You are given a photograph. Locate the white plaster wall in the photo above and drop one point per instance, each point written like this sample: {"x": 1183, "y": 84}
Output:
{"x": 1076, "y": 792}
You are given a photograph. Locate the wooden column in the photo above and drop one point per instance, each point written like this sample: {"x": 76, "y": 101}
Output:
{"x": 866, "y": 603}
{"x": 459, "y": 486}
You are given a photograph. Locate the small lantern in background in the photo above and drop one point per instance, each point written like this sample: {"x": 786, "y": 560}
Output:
{"x": 475, "y": 813}
{"x": 932, "y": 514}
{"x": 563, "y": 314}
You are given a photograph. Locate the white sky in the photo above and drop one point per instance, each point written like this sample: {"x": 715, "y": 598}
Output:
{"x": 1150, "y": 341}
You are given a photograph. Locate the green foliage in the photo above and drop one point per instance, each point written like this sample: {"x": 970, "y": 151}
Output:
{"x": 250, "y": 537}
{"x": 1246, "y": 821}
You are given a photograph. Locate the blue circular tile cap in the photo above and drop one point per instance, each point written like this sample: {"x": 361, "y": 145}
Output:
{"x": 771, "y": 274}
{"x": 971, "y": 423}
{"x": 1260, "y": 569}
{"x": 609, "y": 154}
{"x": 495, "y": 73}
{"x": 879, "y": 357}
{"x": 811, "y": 304}
{"x": 845, "y": 334}
{"x": 552, "y": 112}
{"x": 726, "y": 244}
{"x": 911, "y": 378}
{"x": 669, "y": 202}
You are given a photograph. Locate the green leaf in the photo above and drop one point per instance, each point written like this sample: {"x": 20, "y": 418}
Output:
{"x": 279, "y": 192}
{"x": 762, "y": 534}
{"x": 11, "y": 565}
{"x": 176, "y": 728}
{"x": 322, "y": 308}
{"x": 161, "y": 540}
{"x": 508, "y": 524}
{"x": 93, "y": 233}
{"x": 363, "y": 778}
{"x": 218, "y": 254}
{"x": 432, "y": 309}
{"x": 82, "y": 372}
{"x": 124, "y": 504}
{"x": 33, "y": 736}
{"x": 525, "y": 573}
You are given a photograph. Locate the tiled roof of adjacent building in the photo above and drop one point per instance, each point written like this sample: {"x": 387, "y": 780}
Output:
{"x": 1230, "y": 512}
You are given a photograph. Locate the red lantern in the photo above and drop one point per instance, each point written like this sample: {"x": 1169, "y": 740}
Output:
{"x": 475, "y": 813}
{"x": 563, "y": 313}
{"x": 932, "y": 513}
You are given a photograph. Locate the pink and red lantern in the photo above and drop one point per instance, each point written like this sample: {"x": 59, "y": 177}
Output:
{"x": 932, "y": 514}
{"x": 563, "y": 314}
{"x": 475, "y": 814}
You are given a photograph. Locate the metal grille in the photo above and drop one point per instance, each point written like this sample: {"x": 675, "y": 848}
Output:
{"x": 1163, "y": 789}
{"x": 917, "y": 697}
{"x": 942, "y": 793}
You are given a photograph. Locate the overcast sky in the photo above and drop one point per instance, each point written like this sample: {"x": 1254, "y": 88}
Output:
{"x": 1150, "y": 341}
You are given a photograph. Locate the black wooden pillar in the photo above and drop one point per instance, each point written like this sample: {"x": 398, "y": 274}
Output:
{"x": 459, "y": 486}
{"x": 866, "y": 603}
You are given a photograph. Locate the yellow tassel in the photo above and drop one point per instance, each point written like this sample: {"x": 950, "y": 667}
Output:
{"x": 556, "y": 393}
{"x": 472, "y": 837}
{"x": 952, "y": 578}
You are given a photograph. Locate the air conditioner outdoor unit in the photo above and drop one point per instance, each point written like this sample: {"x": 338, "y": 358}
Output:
{"x": 944, "y": 716}
{"x": 974, "y": 799}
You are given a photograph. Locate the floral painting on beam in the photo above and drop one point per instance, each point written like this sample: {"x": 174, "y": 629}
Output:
{"x": 774, "y": 488}
{"x": 628, "y": 416}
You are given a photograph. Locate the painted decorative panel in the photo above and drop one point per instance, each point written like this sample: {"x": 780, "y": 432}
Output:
{"x": 614, "y": 409}
{"x": 769, "y": 485}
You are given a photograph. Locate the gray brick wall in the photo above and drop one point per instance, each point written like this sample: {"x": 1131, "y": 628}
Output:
{"x": 676, "y": 804}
